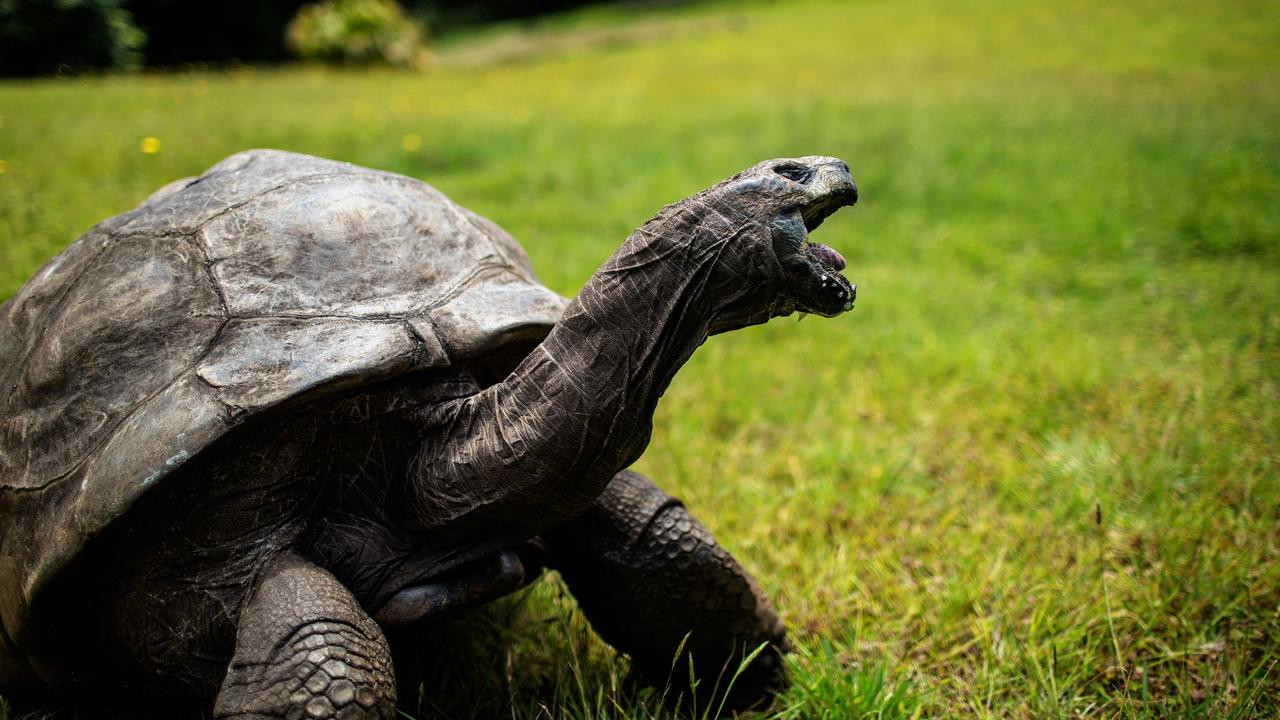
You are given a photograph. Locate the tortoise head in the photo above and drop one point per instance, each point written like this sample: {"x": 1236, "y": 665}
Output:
{"x": 791, "y": 197}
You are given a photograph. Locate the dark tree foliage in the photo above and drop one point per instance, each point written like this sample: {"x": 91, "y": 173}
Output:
{"x": 193, "y": 31}
{"x": 39, "y": 37}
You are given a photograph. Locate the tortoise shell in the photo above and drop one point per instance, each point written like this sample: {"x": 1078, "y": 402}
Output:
{"x": 271, "y": 279}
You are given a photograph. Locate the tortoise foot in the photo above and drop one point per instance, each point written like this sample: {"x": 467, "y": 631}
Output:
{"x": 305, "y": 649}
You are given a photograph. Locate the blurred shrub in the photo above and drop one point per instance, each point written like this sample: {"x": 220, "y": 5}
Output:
{"x": 46, "y": 36}
{"x": 357, "y": 32}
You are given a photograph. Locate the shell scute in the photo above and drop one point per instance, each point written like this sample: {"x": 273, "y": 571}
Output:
{"x": 260, "y": 363}
{"x": 344, "y": 245}
{"x": 88, "y": 368}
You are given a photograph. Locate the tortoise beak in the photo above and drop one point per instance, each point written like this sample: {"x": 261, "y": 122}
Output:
{"x": 832, "y": 188}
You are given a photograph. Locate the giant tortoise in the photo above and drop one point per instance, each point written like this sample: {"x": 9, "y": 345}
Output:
{"x": 292, "y": 406}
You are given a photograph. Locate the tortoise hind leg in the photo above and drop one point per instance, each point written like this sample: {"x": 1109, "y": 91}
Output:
{"x": 647, "y": 574}
{"x": 305, "y": 648}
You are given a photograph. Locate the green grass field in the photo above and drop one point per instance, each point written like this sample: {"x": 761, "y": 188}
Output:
{"x": 1033, "y": 475}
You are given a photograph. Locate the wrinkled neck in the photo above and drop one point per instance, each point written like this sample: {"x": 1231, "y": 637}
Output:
{"x": 630, "y": 328}
{"x": 618, "y": 345}
{"x": 537, "y": 448}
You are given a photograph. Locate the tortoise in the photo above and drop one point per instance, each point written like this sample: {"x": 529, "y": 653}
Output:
{"x": 285, "y": 410}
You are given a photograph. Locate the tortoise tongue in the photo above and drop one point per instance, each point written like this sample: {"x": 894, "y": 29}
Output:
{"x": 826, "y": 256}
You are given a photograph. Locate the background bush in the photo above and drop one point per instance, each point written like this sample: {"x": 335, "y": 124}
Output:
{"x": 357, "y": 32}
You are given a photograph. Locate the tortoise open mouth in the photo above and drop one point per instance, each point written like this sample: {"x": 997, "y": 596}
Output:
{"x": 834, "y": 293}
{"x": 827, "y": 292}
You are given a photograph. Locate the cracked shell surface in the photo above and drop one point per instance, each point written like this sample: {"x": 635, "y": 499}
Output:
{"x": 273, "y": 278}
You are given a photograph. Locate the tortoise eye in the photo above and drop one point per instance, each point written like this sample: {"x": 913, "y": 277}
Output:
{"x": 794, "y": 172}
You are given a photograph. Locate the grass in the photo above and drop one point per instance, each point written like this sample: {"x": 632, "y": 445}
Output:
{"x": 1033, "y": 475}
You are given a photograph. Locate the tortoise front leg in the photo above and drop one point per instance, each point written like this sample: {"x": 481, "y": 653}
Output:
{"x": 646, "y": 574}
{"x": 305, "y": 649}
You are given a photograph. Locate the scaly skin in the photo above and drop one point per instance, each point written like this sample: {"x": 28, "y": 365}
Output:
{"x": 305, "y": 648}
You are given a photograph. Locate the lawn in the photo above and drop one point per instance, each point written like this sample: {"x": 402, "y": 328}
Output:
{"x": 1033, "y": 475}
